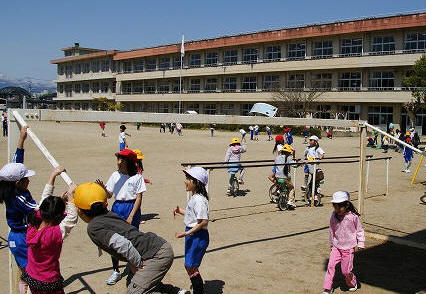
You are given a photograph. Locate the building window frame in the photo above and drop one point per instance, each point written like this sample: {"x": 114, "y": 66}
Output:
{"x": 382, "y": 80}
{"x": 151, "y": 64}
{"x": 229, "y": 84}
{"x": 105, "y": 65}
{"x": 210, "y": 85}
{"x": 138, "y": 65}
{"x": 210, "y": 108}
{"x": 296, "y": 81}
{"x": 322, "y": 49}
{"x": 296, "y": 51}
{"x": 322, "y": 81}
{"x": 230, "y": 57}
{"x": 164, "y": 63}
{"x": 211, "y": 59}
{"x": 250, "y": 55}
{"x": 272, "y": 53}
{"x": 415, "y": 42}
{"x": 383, "y": 45}
{"x": 350, "y": 81}
{"x": 351, "y": 47}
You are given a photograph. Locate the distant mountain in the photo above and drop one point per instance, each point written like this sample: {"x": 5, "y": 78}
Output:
{"x": 37, "y": 85}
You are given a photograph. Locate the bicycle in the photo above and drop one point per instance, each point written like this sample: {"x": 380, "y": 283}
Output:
{"x": 279, "y": 194}
{"x": 235, "y": 185}
{"x": 319, "y": 179}
{"x": 423, "y": 199}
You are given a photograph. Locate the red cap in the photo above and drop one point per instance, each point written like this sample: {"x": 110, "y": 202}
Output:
{"x": 408, "y": 140}
{"x": 279, "y": 138}
{"x": 127, "y": 153}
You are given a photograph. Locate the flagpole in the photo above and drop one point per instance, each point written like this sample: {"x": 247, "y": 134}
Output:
{"x": 182, "y": 53}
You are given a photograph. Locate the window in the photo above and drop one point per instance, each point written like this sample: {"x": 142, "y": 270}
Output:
{"x": 380, "y": 115}
{"x": 351, "y": 47}
{"x": 194, "y": 85}
{"x": 211, "y": 85}
{"x": 85, "y": 88}
{"x": 95, "y": 66}
{"x": 322, "y": 49}
{"x": 210, "y": 109}
{"x": 195, "y": 60}
{"x": 138, "y": 65}
{"x": 105, "y": 65}
{"x": 176, "y": 86}
{"x": 60, "y": 70}
{"x": 193, "y": 106}
{"x": 382, "y": 80}
{"x": 350, "y": 81}
{"x": 86, "y": 67}
{"x": 138, "y": 87}
{"x": 77, "y": 106}
{"x": 245, "y": 109}
{"x": 176, "y": 62}
{"x": 77, "y": 68}
{"x": 85, "y": 106}
{"x": 351, "y": 111}
{"x": 296, "y": 81}
{"x": 163, "y": 108}
{"x": 211, "y": 59}
{"x": 272, "y": 53}
{"x": 77, "y": 88}
{"x": 95, "y": 87}
{"x": 271, "y": 83}
{"x": 415, "y": 42}
{"x": 323, "y": 111}
{"x": 113, "y": 88}
{"x": 105, "y": 87}
{"x": 322, "y": 81}
{"x": 227, "y": 109}
{"x": 68, "y": 90}
{"x": 151, "y": 64}
{"x": 127, "y": 66}
{"x": 68, "y": 71}
{"x": 383, "y": 45}
{"x": 229, "y": 84}
{"x": 164, "y": 87}
{"x": 249, "y": 84}
{"x": 150, "y": 87}
{"x": 126, "y": 88}
{"x": 230, "y": 57}
{"x": 296, "y": 51}
{"x": 164, "y": 63}
{"x": 61, "y": 88}
{"x": 250, "y": 55}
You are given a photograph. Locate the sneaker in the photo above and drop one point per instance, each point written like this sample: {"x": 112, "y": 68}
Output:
{"x": 353, "y": 289}
{"x": 183, "y": 291}
{"x": 241, "y": 182}
{"x": 408, "y": 171}
{"x": 114, "y": 278}
{"x": 291, "y": 205}
{"x": 228, "y": 191}
{"x": 327, "y": 291}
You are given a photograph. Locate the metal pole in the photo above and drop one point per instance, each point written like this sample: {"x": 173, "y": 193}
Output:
{"x": 313, "y": 185}
{"x": 417, "y": 170}
{"x": 368, "y": 176}
{"x": 180, "y": 83}
{"x": 387, "y": 177}
{"x": 362, "y": 171}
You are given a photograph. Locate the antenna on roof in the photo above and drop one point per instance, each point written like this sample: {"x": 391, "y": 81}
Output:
{"x": 76, "y": 45}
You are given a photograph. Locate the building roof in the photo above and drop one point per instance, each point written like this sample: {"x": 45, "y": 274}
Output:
{"x": 82, "y": 48}
{"x": 83, "y": 57}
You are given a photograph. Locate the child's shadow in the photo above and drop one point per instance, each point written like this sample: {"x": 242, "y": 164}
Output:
{"x": 214, "y": 286}
{"x": 242, "y": 193}
{"x": 149, "y": 216}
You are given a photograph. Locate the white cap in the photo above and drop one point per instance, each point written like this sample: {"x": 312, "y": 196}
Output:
{"x": 198, "y": 173}
{"x": 315, "y": 138}
{"x": 340, "y": 196}
{"x": 13, "y": 172}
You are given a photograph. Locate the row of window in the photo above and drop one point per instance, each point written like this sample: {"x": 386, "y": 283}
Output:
{"x": 414, "y": 42}
{"x": 95, "y": 87}
{"x": 323, "y": 81}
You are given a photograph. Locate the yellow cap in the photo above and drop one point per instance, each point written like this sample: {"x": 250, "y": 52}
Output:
{"x": 287, "y": 148}
{"x": 311, "y": 158}
{"x": 139, "y": 153}
{"x": 408, "y": 133}
{"x": 87, "y": 194}
{"x": 235, "y": 141}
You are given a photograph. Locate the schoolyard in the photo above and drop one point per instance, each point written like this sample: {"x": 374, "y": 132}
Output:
{"x": 254, "y": 247}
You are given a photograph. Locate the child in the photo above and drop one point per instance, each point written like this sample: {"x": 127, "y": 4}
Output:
{"x": 163, "y": 128}
{"x": 251, "y": 129}
{"x": 233, "y": 154}
{"x": 14, "y": 181}
{"x": 329, "y": 133}
{"x": 346, "y": 237}
{"x": 385, "y": 144}
{"x": 127, "y": 187}
{"x": 48, "y": 227}
{"x": 243, "y": 134}
{"x": 149, "y": 256}
{"x": 196, "y": 220}
{"x": 138, "y": 126}
{"x": 256, "y": 132}
{"x": 312, "y": 152}
{"x": 268, "y": 131}
{"x": 305, "y": 134}
{"x": 282, "y": 172}
{"x": 179, "y": 128}
{"x": 408, "y": 156}
{"x": 102, "y": 125}
{"x": 279, "y": 143}
{"x": 289, "y": 137}
{"x": 122, "y": 138}
{"x": 212, "y": 126}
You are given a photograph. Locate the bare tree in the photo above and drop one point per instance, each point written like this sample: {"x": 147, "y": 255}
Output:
{"x": 295, "y": 102}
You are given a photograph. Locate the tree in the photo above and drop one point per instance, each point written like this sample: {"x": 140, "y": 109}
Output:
{"x": 416, "y": 81}
{"x": 295, "y": 102}
{"x": 108, "y": 105}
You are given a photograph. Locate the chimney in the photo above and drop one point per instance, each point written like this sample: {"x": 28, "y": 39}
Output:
{"x": 76, "y": 45}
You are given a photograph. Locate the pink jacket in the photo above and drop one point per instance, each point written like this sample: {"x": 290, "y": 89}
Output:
{"x": 233, "y": 153}
{"x": 347, "y": 232}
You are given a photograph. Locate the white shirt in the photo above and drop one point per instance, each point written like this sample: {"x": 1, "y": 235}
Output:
{"x": 196, "y": 208}
{"x": 251, "y": 128}
{"x": 278, "y": 148}
{"x": 242, "y": 132}
{"x": 315, "y": 153}
{"x": 268, "y": 128}
{"x": 121, "y": 137}
{"x": 124, "y": 187}
{"x": 256, "y": 127}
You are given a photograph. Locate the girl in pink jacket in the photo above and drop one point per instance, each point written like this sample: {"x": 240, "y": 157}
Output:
{"x": 346, "y": 237}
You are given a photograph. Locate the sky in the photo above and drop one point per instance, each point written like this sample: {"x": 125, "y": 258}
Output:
{"x": 33, "y": 32}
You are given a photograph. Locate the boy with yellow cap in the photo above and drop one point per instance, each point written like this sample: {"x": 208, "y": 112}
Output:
{"x": 149, "y": 256}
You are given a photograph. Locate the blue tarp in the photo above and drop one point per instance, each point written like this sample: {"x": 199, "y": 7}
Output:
{"x": 263, "y": 109}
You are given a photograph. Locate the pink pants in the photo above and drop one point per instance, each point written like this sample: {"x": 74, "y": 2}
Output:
{"x": 346, "y": 259}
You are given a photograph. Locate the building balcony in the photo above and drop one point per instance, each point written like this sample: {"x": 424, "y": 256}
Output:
{"x": 85, "y": 76}
{"x": 71, "y": 96}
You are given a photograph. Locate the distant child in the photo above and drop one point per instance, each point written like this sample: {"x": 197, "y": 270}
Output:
{"x": 212, "y": 126}
{"x": 179, "y": 128}
{"x": 289, "y": 137}
{"x": 172, "y": 128}
{"x": 233, "y": 156}
{"x": 14, "y": 193}
{"x": 279, "y": 144}
{"x": 122, "y": 138}
{"x": 251, "y": 129}
{"x": 127, "y": 187}
{"x": 408, "y": 156}
{"x": 346, "y": 237}
{"x": 4, "y": 123}
{"x": 305, "y": 134}
{"x": 329, "y": 133}
{"x": 243, "y": 134}
{"x": 312, "y": 152}
{"x": 138, "y": 126}
{"x": 196, "y": 221}
{"x": 385, "y": 144}
{"x": 102, "y": 125}
{"x": 162, "y": 128}
{"x": 376, "y": 134}
{"x": 256, "y": 133}
{"x": 48, "y": 226}
{"x": 370, "y": 142}
{"x": 268, "y": 131}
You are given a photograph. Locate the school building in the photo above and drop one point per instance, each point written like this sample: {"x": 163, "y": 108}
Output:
{"x": 357, "y": 65}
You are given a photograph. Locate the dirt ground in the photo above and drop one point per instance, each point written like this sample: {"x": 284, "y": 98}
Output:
{"x": 254, "y": 247}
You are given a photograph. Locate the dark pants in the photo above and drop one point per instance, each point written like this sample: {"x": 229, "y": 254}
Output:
{"x": 4, "y": 129}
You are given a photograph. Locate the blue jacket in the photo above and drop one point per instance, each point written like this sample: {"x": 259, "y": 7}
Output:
{"x": 408, "y": 154}
{"x": 18, "y": 207}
